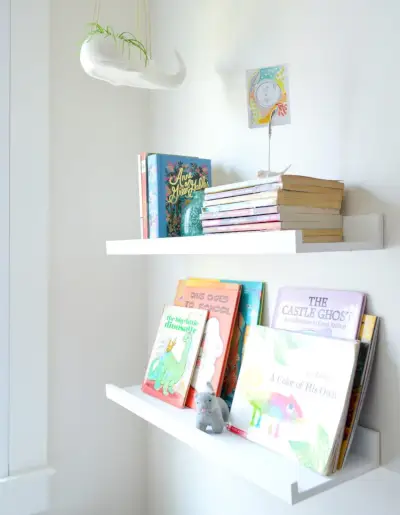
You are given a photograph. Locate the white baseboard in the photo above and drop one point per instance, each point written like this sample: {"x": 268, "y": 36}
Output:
{"x": 26, "y": 493}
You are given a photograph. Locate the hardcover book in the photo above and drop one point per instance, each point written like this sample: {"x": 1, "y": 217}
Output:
{"x": 292, "y": 394}
{"x": 331, "y": 313}
{"x": 174, "y": 354}
{"x": 249, "y": 313}
{"x": 172, "y": 180}
{"x": 368, "y": 337}
{"x": 221, "y": 301}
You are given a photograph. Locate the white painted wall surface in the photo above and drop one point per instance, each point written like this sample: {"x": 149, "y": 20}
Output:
{"x": 4, "y": 232}
{"x": 345, "y": 112}
{"x": 96, "y": 307}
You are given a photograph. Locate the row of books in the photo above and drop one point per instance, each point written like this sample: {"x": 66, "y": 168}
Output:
{"x": 166, "y": 184}
{"x": 296, "y": 388}
{"x": 284, "y": 202}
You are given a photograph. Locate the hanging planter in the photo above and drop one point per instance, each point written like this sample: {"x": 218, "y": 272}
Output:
{"x": 121, "y": 59}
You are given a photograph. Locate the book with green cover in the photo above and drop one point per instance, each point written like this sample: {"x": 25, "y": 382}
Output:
{"x": 293, "y": 393}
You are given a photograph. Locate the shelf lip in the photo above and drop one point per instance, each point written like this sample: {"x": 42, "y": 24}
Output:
{"x": 362, "y": 232}
{"x": 273, "y": 473}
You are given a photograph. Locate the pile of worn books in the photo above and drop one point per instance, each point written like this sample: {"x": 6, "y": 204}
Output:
{"x": 284, "y": 202}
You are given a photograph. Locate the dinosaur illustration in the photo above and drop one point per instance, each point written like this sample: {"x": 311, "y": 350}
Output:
{"x": 166, "y": 371}
{"x": 276, "y": 406}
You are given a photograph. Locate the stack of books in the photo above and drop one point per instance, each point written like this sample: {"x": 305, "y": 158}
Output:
{"x": 296, "y": 388}
{"x": 285, "y": 202}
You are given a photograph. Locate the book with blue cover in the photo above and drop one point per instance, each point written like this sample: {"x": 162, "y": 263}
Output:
{"x": 172, "y": 180}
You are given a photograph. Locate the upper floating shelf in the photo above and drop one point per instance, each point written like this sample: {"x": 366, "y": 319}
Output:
{"x": 364, "y": 232}
{"x": 273, "y": 473}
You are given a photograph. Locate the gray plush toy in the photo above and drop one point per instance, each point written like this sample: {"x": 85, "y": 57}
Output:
{"x": 211, "y": 411}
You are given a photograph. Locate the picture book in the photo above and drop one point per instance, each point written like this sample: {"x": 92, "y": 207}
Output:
{"x": 331, "y": 313}
{"x": 292, "y": 394}
{"x": 285, "y": 211}
{"x": 368, "y": 337}
{"x": 172, "y": 180}
{"x": 249, "y": 313}
{"x": 143, "y": 200}
{"x": 174, "y": 354}
{"x": 327, "y": 222}
{"x": 286, "y": 181}
{"x": 221, "y": 301}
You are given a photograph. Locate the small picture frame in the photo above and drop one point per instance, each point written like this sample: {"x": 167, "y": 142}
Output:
{"x": 268, "y": 96}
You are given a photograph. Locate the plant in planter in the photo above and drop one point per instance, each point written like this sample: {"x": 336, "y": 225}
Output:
{"x": 122, "y": 59}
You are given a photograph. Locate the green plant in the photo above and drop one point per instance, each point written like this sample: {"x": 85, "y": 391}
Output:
{"x": 127, "y": 39}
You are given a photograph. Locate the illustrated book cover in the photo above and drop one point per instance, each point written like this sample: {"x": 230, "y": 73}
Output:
{"x": 172, "y": 180}
{"x": 292, "y": 394}
{"x": 222, "y": 302}
{"x": 331, "y": 313}
{"x": 174, "y": 354}
{"x": 249, "y": 313}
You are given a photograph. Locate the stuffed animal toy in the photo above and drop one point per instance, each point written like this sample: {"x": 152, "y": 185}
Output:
{"x": 211, "y": 411}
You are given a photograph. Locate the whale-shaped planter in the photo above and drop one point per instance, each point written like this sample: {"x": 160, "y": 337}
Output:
{"x": 105, "y": 59}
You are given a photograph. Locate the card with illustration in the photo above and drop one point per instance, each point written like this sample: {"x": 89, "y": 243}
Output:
{"x": 267, "y": 95}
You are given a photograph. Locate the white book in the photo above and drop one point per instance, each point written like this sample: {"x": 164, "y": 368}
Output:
{"x": 293, "y": 392}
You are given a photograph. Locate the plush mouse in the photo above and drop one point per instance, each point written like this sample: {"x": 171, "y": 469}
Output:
{"x": 211, "y": 411}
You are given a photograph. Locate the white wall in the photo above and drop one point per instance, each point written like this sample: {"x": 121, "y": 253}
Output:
{"x": 345, "y": 110}
{"x": 96, "y": 329}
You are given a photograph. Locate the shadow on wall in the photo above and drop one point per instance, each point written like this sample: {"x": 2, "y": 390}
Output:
{"x": 386, "y": 409}
{"x": 359, "y": 201}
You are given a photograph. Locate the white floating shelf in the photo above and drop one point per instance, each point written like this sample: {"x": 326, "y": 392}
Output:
{"x": 364, "y": 232}
{"x": 275, "y": 474}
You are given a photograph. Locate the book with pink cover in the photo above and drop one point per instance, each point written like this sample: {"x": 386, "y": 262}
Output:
{"x": 331, "y": 313}
{"x": 317, "y": 221}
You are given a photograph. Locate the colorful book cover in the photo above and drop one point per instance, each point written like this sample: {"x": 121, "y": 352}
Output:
{"x": 368, "y": 337}
{"x": 331, "y": 313}
{"x": 249, "y": 313}
{"x": 221, "y": 301}
{"x": 174, "y": 354}
{"x": 172, "y": 180}
{"x": 292, "y": 392}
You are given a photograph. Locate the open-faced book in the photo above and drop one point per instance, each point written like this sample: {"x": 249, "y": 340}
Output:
{"x": 293, "y": 393}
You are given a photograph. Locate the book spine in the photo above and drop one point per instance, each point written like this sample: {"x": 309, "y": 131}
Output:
{"x": 144, "y": 196}
{"x": 153, "y": 196}
{"x": 240, "y": 205}
{"x": 241, "y": 220}
{"x": 244, "y": 191}
{"x": 140, "y": 194}
{"x": 270, "y": 226}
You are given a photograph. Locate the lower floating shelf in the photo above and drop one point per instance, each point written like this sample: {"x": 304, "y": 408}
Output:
{"x": 275, "y": 474}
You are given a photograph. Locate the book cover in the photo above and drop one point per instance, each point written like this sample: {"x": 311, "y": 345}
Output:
{"x": 331, "y": 313}
{"x": 244, "y": 191}
{"x": 172, "y": 180}
{"x": 368, "y": 337}
{"x": 292, "y": 392}
{"x": 249, "y": 313}
{"x": 222, "y": 304}
{"x": 174, "y": 354}
{"x": 245, "y": 210}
